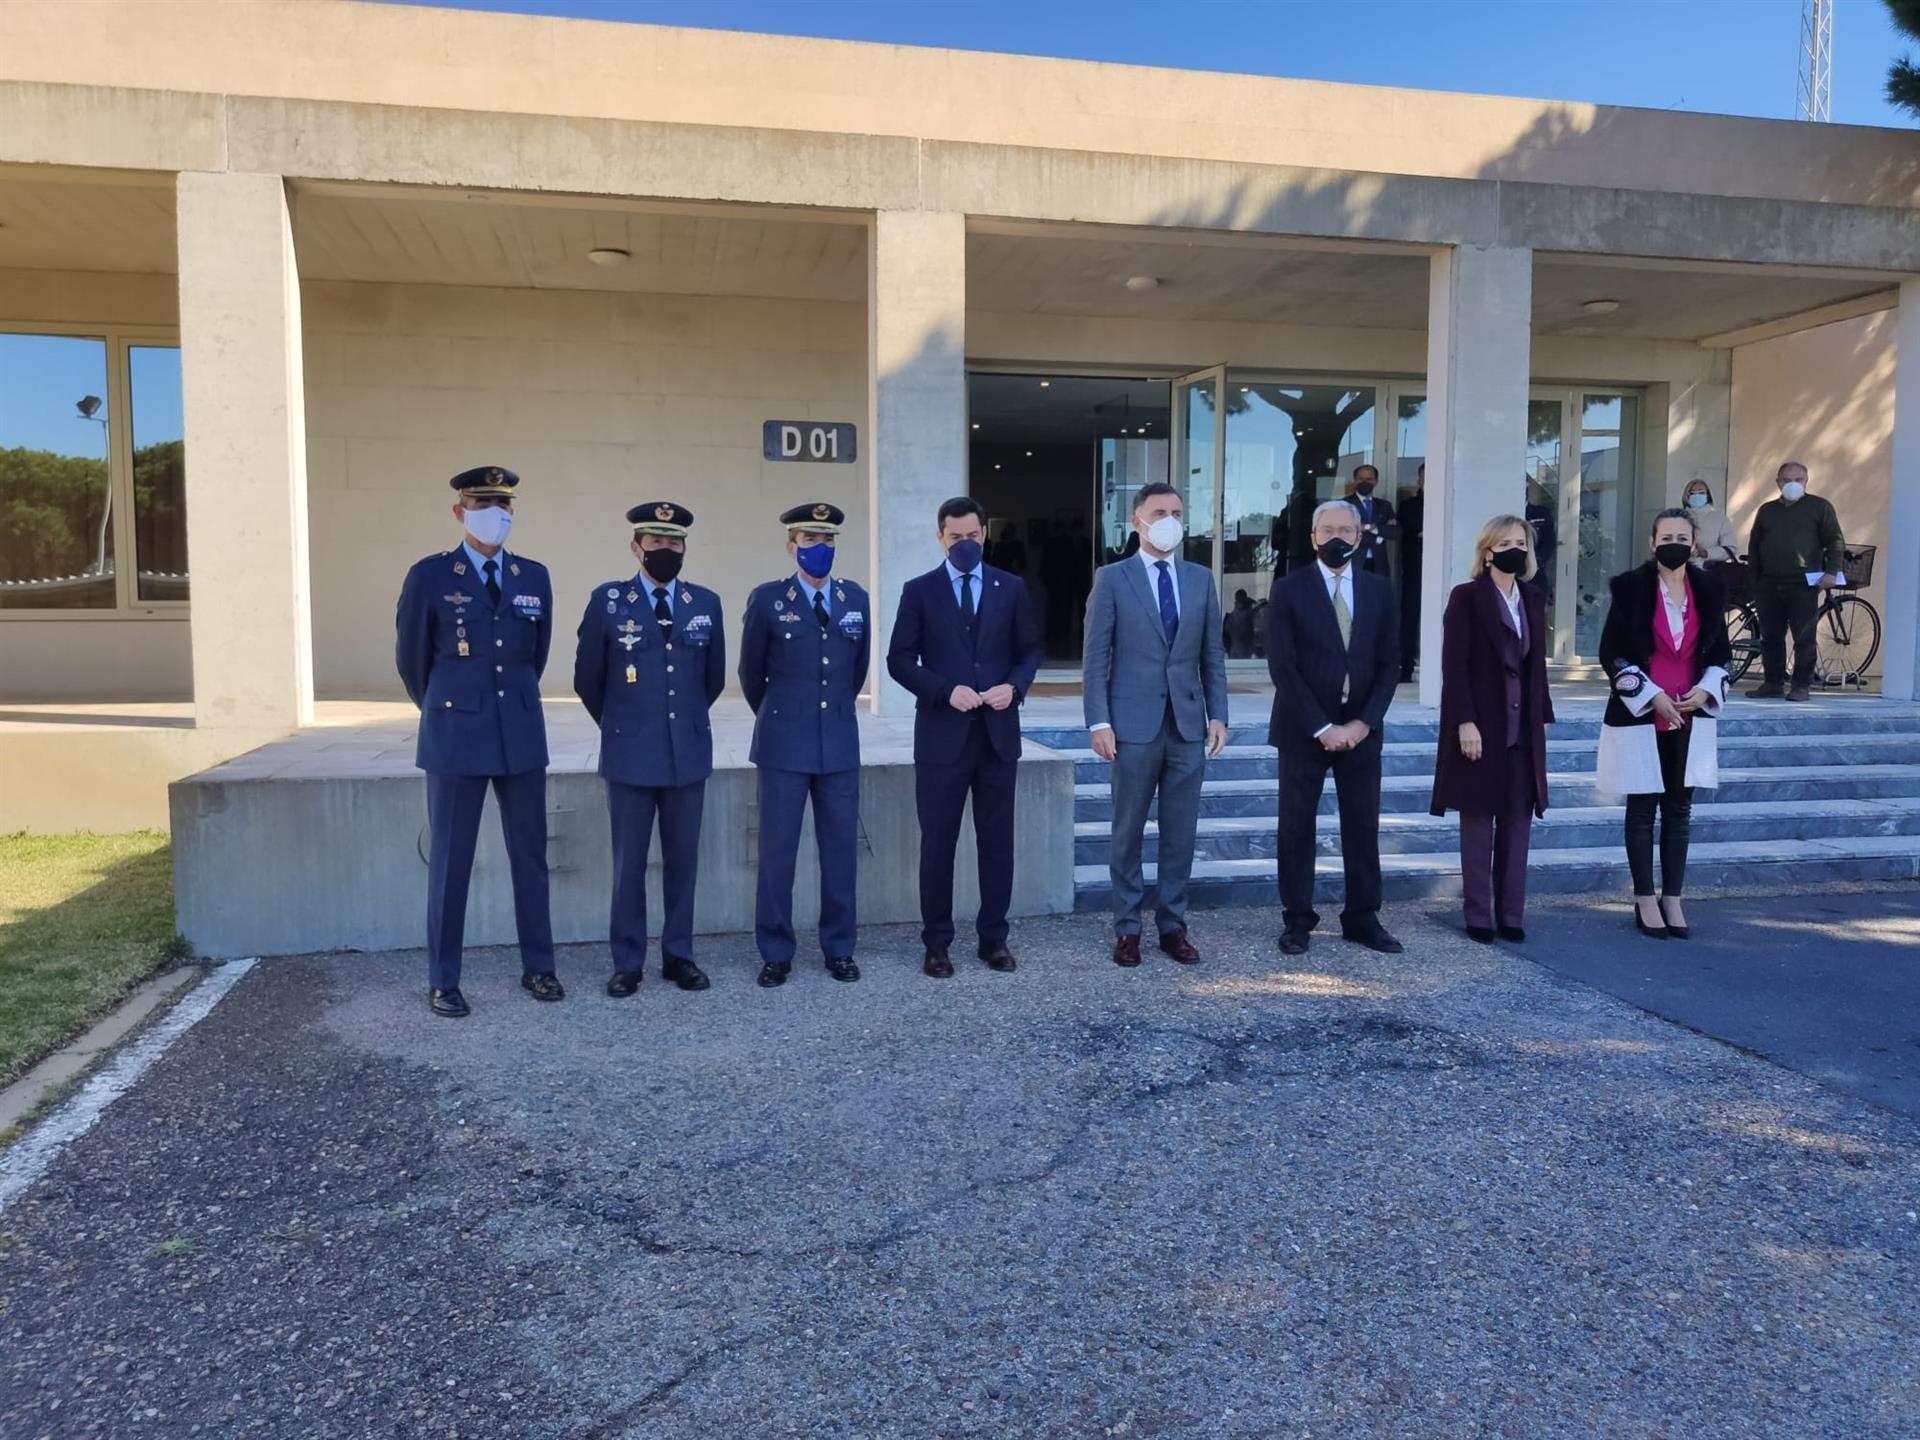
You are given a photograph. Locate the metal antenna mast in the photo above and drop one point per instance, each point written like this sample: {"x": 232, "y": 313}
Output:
{"x": 1816, "y": 60}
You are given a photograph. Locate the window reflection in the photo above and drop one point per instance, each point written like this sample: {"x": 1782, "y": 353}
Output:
{"x": 159, "y": 472}
{"x": 56, "y": 521}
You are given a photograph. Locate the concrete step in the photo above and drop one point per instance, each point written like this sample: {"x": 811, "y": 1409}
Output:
{"x": 1579, "y": 869}
{"x": 1402, "y": 794}
{"x": 1581, "y": 827}
{"x": 1741, "y": 719}
{"x": 1402, "y": 758}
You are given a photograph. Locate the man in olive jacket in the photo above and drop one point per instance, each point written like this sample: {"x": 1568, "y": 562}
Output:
{"x": 1794, "y": 537}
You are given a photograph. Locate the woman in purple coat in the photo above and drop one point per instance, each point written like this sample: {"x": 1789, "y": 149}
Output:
{"x": 1494, "y": 713}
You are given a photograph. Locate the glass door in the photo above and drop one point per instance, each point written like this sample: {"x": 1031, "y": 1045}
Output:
{"x": 1550, "y": 505}
{"x": 1198, "y": 456}
{"x": 1609, "y": 447}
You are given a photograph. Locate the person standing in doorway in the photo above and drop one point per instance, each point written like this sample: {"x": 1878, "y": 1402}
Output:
{"x": 1796, "y": 550}
{"x": 964, "y": 642}
{"x": 804, "y": 649}
{"x": 1378, "y": 522}
{"x": 1413, "y": 529}
{"x": 651, "y": 661}
{"x": 1494, "y": 713}
{"x": 1155, "y": 698}
{"x": 1665, "y": 648}
{"x": 472, "y": 634}
{"x": 1333, "y": 650}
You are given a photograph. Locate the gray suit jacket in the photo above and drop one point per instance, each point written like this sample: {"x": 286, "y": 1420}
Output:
{"x": 1131, "y": 674}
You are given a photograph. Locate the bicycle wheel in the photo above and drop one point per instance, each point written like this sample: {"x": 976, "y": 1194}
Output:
{"x": 1849, "y": 632}
{"x": 1743, "y": 630}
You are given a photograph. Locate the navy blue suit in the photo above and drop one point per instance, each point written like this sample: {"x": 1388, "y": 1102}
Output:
{"x": 959, "y": 754}
{"x": 802, "y": 683}
{"x": 474, "y": 668}
{"x": 649, "y": 688}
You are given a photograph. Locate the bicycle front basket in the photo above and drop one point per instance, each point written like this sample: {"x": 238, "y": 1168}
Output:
{"x": 1859, "y": 565}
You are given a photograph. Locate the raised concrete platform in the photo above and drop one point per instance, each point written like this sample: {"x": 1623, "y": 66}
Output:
{"x": 318, "y": 841}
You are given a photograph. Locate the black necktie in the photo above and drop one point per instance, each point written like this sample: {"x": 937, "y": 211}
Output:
{"x": 966, "y": 601}
{"x": 820, "y": 609}
{"x": 493, "y": 585}
{"x": 660, "y": 610}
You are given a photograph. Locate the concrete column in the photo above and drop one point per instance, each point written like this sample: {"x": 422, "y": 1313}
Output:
{"x": 1898, "y": 575}
{"x": 916, "y": 407}
{"x": 1479, "y": 330}
{"x": 242, "y": 392}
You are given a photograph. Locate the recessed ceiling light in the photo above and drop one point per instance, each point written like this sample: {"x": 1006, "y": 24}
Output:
{"x": 1600, "y": 307}
{"x": 976, "y": 424}
{"x": 1029, "y": 454}
{"x": 609, "y": 255}
{"x": 1245, "y": 388}
{"x": 1044, "y": 384}
{"x": 996, "y": 467}
{"x": 1140, "y": 284}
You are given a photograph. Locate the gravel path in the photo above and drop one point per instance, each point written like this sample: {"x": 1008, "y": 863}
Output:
{"x": 1440, "y": 1194}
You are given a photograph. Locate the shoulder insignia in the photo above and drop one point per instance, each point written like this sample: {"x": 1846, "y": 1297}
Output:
{"x": 841, "y": 596}
{"x": 513, "y": 569}
{"x": 613, "y": 592}
{"x": 790, "y": 594}
{"x": 778, "y": 607}
{"x": 459, "y": 567}
{"x": 686, "y": 597}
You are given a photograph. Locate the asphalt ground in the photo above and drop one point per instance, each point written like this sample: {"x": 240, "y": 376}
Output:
{"x": 1450, "y": 1193}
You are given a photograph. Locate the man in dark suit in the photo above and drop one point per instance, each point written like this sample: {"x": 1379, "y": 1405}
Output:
{"x": 1378, "y": 522}
{"x": 964, "y": 643}
{"x": 652, "y": 660}
{"x": 1334, "y": 654}
{"x": 1413, "y": 531}
{"x": 804, "y": 648}
{"x": 472, "y": 633}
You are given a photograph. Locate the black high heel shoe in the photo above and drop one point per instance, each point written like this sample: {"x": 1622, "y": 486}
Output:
{"x": 1657, "y": 932}
{"x": 1674, "y": 932}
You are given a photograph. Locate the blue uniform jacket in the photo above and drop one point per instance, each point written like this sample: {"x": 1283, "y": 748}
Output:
{"x": 929, "y": 655}
{"x": 479, "y": 710}
{"x": 802, "y": 684}
{"x": 654, "y": 729}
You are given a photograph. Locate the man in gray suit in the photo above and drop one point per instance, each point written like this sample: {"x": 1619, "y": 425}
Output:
{"x": 1156, "y": 704}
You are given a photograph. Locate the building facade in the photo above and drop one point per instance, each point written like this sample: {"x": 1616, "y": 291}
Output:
{"x": 306, "y": 260}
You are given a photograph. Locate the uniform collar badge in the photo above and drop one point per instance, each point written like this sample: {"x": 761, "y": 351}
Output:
{"x": 459, "y": 567}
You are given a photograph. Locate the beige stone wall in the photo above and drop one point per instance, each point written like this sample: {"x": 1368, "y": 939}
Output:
{"x": 598, "y": 400}
{"x": 87, "y": 658}
{"x": 1825, "y": 398}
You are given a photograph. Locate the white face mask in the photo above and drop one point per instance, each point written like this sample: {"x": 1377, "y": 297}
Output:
{"x": 489, "y": 526}
{"x": 1165, "y": 534}
{"x": 1698, "y": 501}
{"x": 1792, "y": 491}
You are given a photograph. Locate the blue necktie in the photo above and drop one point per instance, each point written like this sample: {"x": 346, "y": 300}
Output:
{"x": 1169, "y": 616}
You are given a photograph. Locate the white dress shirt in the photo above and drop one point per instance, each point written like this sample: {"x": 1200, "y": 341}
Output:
{"x": 1676, "y": 612}
{"x": 1512, "y": 598}
{"x": 1153, "y": 577}
{"x": 953, "y": 578}
{"x": 1339, "y": 588}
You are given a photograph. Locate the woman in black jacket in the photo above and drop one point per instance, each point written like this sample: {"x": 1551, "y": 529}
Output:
{"x": 1665, "y": 649}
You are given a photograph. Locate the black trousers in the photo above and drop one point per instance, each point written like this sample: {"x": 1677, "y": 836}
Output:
{"x": 940, "y": 796}
{"x": 1674, "y": 806}
{"x": 1409, "y": 618}
{"x": 1783, "y": 608}
{"x": 1356, "y": 781}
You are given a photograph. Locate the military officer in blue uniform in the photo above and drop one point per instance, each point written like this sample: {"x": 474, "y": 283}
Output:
{"x": 472, "y": 635}
{"x": 652, "y": 660}
{"x": 804, "y": 648}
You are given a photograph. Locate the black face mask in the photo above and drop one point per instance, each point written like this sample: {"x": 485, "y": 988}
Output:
{"x": 1509, "y": 562}
{"x": 1363, "y": 487}
{"x": 662, "y": 565}
{"x": 1673, "y": 554}
{"x": 1334, "y": 553}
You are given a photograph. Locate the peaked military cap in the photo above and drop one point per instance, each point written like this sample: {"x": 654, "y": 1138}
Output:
{"x": 485, "y": 480}
{"x": 815, "y": 515}
{"x": 660, "y": 517}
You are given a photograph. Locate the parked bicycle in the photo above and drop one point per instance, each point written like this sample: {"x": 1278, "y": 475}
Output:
{"x": 1846, "y": 624}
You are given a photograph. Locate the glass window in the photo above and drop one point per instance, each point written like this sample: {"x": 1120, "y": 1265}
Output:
{"x": 1609, "y": 439}
{"x": 1289, "y": 446}
{"x": 56, "y": 520}
{"x": 1410, "y": 444}
{"x": 159, "y": 472}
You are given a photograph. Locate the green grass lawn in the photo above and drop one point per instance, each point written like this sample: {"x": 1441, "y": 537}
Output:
{"x": 83, "y": 919}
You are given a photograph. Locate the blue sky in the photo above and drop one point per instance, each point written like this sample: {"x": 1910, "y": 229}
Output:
{"x": 1736, "y": 57}
{"x": 42, "y": 376}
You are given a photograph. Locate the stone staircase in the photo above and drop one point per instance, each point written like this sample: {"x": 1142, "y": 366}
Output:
{"x": 1816, "y": 793}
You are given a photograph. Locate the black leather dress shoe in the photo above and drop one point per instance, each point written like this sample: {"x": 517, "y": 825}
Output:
{"x": 1768, "y": 691}
{"x": 1374, "y": 937}
{"x": 1481, "y": 933}
{"x": 450, "y": 1003}
{"x": 684, "y": 973}
{"x": 843, "y": 968}
{"x": 543, "y": 987}
{"x": 772, "y": 975}
{"x": 1295, "y": 942}
{"x": 1514, "y": 933}
{"x": 997, "y": 956}
{"x": 937, "y": 966}
{"x": 623, "y": 983}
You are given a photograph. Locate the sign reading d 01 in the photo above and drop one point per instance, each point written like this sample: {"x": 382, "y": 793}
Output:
{"x": 816, "y": 442}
